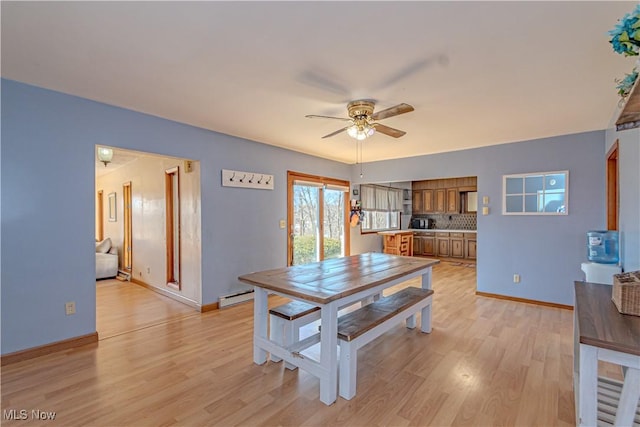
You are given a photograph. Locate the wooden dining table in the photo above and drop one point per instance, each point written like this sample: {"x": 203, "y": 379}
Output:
{"x": 330, "y": 285}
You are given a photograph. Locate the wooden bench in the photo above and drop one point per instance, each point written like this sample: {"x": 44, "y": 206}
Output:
{"x": 286, "y": 321}
{"x": 357, "y": 328}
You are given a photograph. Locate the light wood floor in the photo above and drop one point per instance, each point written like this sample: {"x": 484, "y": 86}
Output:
{"x": 123, "y": 307}
{"x": 487, "y": 362}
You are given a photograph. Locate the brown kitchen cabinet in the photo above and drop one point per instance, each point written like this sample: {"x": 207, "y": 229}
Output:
{"x": 428, "y": 246}
{"x": 397, "y": 242}
{"x": 424, "y": 243}
{"x": 456, "y": 245}
{"x": 470, "y": 245}
{"x": 416, "y": 202}
{"x": 427, "y": 201}
{"x": 443, "y": 246}
{"x": 453, "y": 200}
{"x": 440, "y": 200}
{"x": 422, "y": 202}
{"x": 417, "y": 245}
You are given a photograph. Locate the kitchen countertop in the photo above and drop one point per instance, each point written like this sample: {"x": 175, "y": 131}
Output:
{"x": 394, "y": 232}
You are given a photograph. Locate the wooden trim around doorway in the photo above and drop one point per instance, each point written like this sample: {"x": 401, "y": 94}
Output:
{"x": 100, "y": 215}
{"x": 613, "y": 187}
{"x": 294, "y": 176}
{"x": 42, "y": 350}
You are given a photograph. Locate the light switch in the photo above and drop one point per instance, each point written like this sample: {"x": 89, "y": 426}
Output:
{"x": 282, "y": 223}
{"x": 485, "y": 200}
{"x": 485, "y": 210}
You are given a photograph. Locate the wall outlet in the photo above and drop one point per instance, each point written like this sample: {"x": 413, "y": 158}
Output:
{"x": 516, "y": 278}
{"x": 148, "y": 270}
{"x": 282, "y": 223}
{"x": 70, "y": 308}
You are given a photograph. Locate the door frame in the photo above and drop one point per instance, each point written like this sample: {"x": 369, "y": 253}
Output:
{"x": 295, "y": 176}
{"x": 613, "y": 188}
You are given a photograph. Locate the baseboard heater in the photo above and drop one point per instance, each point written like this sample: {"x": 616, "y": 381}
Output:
{"x": 228, "y": 300}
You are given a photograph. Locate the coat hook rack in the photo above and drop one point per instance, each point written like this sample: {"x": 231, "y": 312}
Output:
{"x": 231, "y": 178}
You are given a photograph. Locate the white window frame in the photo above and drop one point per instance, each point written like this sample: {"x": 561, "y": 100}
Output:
{"x": 543, "y": 192}
{"x": 388, "y": 221}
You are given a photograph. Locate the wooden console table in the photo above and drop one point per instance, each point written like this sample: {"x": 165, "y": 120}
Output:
{"x": 602, "y": 333}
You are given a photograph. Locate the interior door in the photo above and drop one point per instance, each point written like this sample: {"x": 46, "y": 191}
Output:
{"x": 317, "y": 218}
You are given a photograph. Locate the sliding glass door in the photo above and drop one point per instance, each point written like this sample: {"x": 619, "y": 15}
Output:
{"x": 317, "y": 218}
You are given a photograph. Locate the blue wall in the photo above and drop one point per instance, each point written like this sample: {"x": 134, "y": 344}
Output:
{"x": 545, "y": 250}
{"x": 48, "y": 205}
{"x": 47, "y": 179}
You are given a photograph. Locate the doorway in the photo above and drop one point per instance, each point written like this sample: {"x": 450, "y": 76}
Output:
{"x": 144, "y": 299}
{"x": 317, "y": 218}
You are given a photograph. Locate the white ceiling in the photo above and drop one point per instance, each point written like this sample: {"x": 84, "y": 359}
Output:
{"x": 513, "y": 71}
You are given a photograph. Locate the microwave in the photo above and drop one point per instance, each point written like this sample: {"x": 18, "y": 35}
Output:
{"x": 420, "y": 223}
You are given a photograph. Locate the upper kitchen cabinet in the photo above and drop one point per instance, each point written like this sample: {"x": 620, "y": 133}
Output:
{"x": 453, "y": 200}
{"x": 441, "y": 195}
{"x": 440, "y": 200}
{"x": 427, "y": 200}
{"x": 416, "y": 202}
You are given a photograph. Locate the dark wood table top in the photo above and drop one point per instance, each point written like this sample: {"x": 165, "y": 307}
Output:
{"x": 332, "y": 279}
{"x": 600, "y": 323}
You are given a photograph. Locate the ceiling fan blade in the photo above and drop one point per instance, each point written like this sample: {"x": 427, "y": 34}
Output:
{"x": 388, "y": 131}
{"x": 393, "y": 111}
{"x": 315, "y": 116}
{"x": 336, "y": 132}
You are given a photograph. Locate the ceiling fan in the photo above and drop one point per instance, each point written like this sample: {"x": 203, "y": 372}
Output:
{"x": 363, "y": 121}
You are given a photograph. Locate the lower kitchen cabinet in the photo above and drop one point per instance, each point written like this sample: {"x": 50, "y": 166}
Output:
{"x": 417, "y": 245}
{"x": 470, "y": 246}
{"x": 442, "y": 240}
{"x": 457, "y": 245}
{"x": 429, "y": 246}
{"x": 424, "y": 244}
{"x": 444, "y": 244}
{"x": 397, "y": 243}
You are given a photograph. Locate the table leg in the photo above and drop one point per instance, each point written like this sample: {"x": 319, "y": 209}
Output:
{"x": 588, "y": 386}
{"x": 260, "y": 315}
{"x": 628, "y": 398}
{"x": 426, "y": 279}
{"x": 329, "y": 353}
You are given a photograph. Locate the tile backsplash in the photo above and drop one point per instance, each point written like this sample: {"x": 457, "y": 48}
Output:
{"x": 452, "y": 221}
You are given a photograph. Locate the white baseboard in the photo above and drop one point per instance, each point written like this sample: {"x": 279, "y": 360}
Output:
{"x": 238, "y": 298}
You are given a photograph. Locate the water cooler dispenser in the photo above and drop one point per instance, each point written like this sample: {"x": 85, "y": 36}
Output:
{"x": 602, "y": 252}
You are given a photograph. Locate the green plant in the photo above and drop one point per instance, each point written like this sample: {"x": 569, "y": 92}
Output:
{"x": 304, "y": 249}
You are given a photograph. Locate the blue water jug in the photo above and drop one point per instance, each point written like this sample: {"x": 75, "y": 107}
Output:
{"x": 602, "y": 247}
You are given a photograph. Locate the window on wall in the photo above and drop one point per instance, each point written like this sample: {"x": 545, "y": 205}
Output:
{"x": 381, "y": 208}
{"x": 543, "y": 193}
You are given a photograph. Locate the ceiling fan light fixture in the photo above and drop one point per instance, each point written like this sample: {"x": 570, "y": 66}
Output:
{"x": 105, "y": 155}
{"x": 361, "y": 132}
